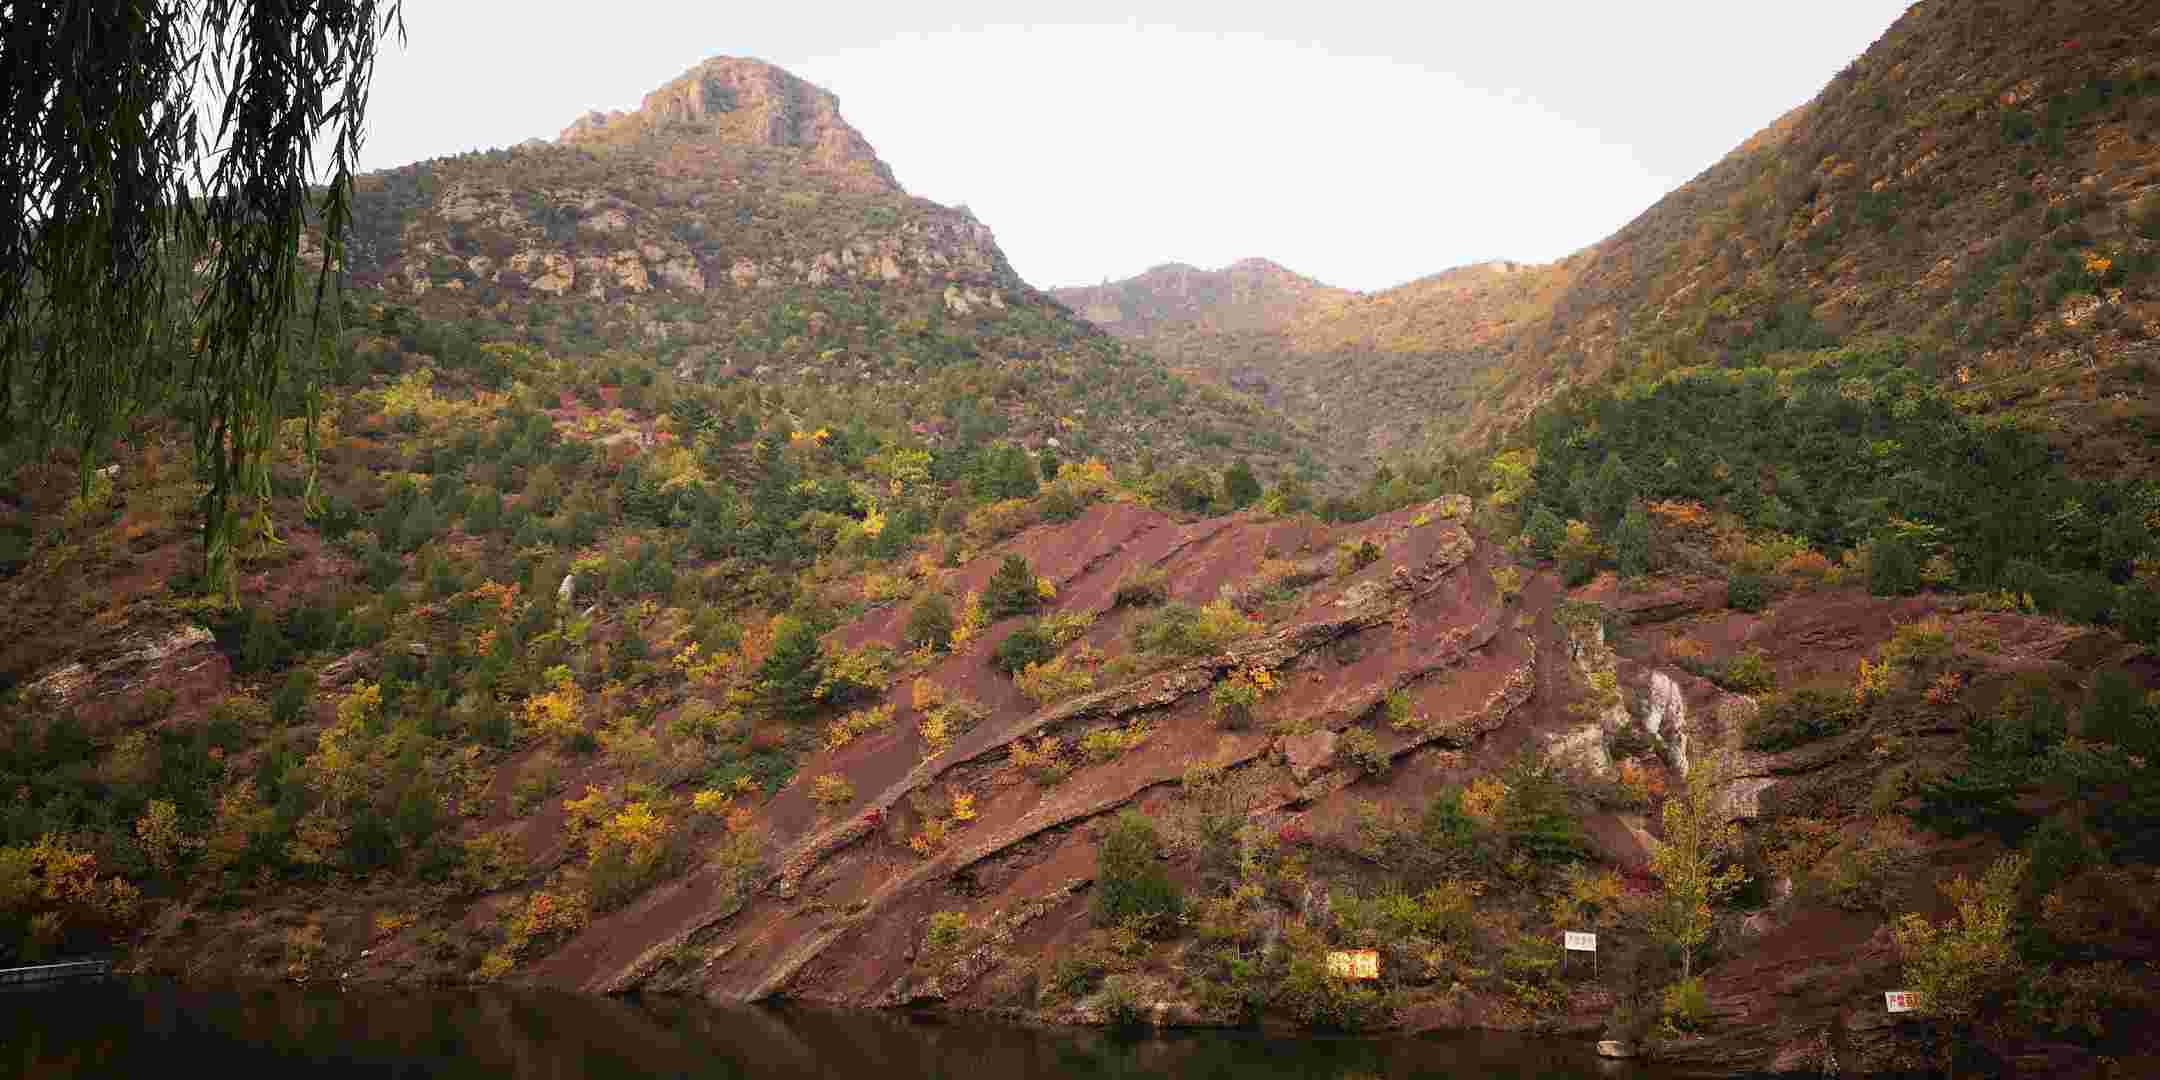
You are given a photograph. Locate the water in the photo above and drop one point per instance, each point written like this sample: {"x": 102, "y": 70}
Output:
{"x": 147, "y": 1028}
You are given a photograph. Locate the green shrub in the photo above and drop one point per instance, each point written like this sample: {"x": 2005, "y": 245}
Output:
{"x": 1024, "y": 646}
{"x": 945, "y": 930}
{"x": 2030, "y": 719}
{"x": 1447, "y": 837}
{"x": 1686, "y": 1005}
{"x": 1631, "y": 543}
{"x": 1545, "y": 533}
{"x": 1447, "y": 912}
{"x": 2117, "y": 713}
{"x": 1400, "y": 711}
{"x": 1012, "y": 590}
{"x": 1062, "y": 503}
{"x": 289, "y": 705}
{"x": 1180, "y": 630}
{"x": 1121, "y": 1005}
{"x": 1240, "y": 487}
{"x": 1746, "y": 590}
{"x": 1894, "y": 562}
{"x": 2057, "y": 851}
{"x": 1539, "y": 817}
{"x": 1076, "y": 974}
{"x": 1130, "y": 882}
{"x": 1054, "y": 681}
{"x": 1146, "y": 588}
{"x": 235, "y": 720}
{"x": 1362, "y": 748}
{"x": 1783, "y": 721}
{"x": 1355, "y": 557}
{"x": 1869, "y": 874}
{"x": 1235, "y": 699}
{"x": 1749, "y": 673}
{"x": 930, "y": 622}
{"x": 1956, "y": 964}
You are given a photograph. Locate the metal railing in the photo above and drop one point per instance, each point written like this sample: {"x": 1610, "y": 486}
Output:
{"x": 72, "y": 969}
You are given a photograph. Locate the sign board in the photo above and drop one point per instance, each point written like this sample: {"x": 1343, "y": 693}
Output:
{"x": 1898, "y": 1001}
{"x": 1580, "y": 942}
{"x": 1354, "y": 964}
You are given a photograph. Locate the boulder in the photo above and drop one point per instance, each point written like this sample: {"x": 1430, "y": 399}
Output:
{"x": 143, "y": 657}
{"x": 344, "y": 669}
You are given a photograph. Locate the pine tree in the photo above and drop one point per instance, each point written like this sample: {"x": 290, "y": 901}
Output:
{"x": 1631, "y": 543}
{"x": 1240, "y": 486}
{"x": 1893, "y": 564}
{"x": 930, "y": 622}
{"x": 1610, "y": 492}
{"x": 1546, "y": 532}
{"x": 1129, "y": 878}
{"x": 790, "y": 675}
{"x": 1012, "y": 590}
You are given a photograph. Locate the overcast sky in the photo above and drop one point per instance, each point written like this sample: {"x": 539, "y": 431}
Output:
{"x": 1364, "y": 144}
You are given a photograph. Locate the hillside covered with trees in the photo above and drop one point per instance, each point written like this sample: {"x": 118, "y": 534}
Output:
{"x": 689, "y": 564}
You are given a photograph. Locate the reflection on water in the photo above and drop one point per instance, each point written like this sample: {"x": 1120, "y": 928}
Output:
{"x": 151, "y": 1028}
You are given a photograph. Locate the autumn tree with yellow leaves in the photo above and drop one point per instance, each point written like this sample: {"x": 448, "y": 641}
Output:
{"x": 1699, "y": 839}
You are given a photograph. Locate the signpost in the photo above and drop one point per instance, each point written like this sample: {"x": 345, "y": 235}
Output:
{"x": 1899, "y": 1001}
{"x": 1576, "y": 941}
{"x": 1358, "y": 964}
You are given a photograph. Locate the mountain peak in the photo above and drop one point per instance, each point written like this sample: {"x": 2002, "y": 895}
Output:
{"x": 742, "y": 101}
{"x": 1258, "y": 265}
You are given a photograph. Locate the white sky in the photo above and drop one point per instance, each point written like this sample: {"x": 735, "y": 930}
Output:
{"x": 1361, "y": 143}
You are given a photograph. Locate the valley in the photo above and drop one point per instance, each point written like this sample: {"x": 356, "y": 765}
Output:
{"x": 691, "y": 565}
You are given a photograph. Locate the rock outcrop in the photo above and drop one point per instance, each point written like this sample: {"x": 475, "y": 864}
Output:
{"x": 746, "y": 101}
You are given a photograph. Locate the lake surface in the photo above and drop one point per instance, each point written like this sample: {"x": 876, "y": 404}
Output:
{"x": 154, "y": 1028}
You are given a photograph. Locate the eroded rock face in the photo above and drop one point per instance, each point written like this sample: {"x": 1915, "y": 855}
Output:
{"x": 181, "y": 658}
{"x": 1666, "y": 717}
{"x": 1421, "y": 617}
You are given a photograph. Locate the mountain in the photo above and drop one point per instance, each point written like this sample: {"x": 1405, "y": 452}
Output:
{"x": 745, "y": 103}
{"x": 1175, "y": 299}
{"x": 734, "y": 227}
{"x": 1988, "y": 196}
{"x": 1379, "y": 374}
{"x": 1993, "y": 198}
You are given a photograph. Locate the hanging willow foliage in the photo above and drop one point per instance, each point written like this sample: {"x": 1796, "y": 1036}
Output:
{"x": 155, "y": 166}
